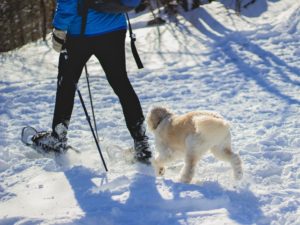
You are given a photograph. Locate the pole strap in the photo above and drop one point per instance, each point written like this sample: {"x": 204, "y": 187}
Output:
{"x": 133, "y": 48}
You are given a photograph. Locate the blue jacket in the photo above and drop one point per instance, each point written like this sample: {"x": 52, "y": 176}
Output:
{"x": 67, "y": 18}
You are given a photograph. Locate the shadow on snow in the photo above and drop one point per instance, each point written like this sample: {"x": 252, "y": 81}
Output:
{"x": 228, "y": 41}
{"x": 145, "y": 205}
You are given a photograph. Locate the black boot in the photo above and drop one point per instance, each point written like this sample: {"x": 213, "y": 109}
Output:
{"x": 142, "y": 150}
{"x": 141, "y": 146}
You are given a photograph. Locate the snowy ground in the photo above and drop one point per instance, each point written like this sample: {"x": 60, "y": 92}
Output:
{"x": 245, "y": 68}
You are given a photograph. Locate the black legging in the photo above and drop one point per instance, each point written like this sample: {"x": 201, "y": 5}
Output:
{"x": 110, "y": 51}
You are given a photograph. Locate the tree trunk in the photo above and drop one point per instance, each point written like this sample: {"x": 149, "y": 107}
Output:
{"x": 238, "y": 7}
{"x": 24, "y": 21}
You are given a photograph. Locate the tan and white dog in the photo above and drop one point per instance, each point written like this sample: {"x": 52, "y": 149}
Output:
{"x": 190, "y": 136}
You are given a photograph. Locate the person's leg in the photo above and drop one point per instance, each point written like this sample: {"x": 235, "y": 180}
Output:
{"x": 110, "y": 50}
{"x": 71, "y": 63}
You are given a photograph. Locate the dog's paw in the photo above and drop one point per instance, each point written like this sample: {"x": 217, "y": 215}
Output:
{"x": 158, "y": 168}
{"x": 161, "y": 171}
{"x": 184, "y": 179}
{"x": 238, "y": 175}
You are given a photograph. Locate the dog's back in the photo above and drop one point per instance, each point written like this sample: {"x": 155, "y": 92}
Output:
{"x": 207, "y": 126}
{"x": 211, "y": 126}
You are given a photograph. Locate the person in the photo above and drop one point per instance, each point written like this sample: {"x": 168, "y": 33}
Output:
{"x": 104, "y": 37}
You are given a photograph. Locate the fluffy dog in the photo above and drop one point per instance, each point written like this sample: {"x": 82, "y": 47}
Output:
{"x": 190, "y": 136}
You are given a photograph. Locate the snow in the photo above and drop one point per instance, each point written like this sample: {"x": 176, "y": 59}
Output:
{"x": 246, "y": 68}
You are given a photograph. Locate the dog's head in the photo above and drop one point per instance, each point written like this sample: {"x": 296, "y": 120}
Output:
{"x": 156, "y": 115}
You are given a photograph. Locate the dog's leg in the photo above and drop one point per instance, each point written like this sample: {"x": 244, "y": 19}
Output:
{"x": 188, "y": 170}
{"x": 226, "y": 154}
{"x": 160, "y": 161}
{"x": 194, "y": 151}
{"x": 158, "y": 164}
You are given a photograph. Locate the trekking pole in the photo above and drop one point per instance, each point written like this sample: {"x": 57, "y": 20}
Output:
{"x": 92, "y": 106}
{"x": 89, "y": 121}
{"x": 91, "y": 100}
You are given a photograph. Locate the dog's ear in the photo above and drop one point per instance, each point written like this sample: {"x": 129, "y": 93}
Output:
{"x": 155, "y": 116}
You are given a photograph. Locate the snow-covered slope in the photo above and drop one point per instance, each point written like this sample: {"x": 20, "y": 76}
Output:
{"x": 245, "y": 68}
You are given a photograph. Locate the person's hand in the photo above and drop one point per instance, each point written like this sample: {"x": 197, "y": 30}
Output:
{"x": 58, "y": 39}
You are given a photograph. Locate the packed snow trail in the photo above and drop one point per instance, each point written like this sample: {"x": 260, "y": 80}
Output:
{"x": 245, "y": 68}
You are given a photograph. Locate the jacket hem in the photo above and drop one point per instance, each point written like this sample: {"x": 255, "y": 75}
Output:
{"x": 99, "y": 33}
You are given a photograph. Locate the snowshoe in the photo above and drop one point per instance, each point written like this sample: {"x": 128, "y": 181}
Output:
{"x": 45, "y": 141}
